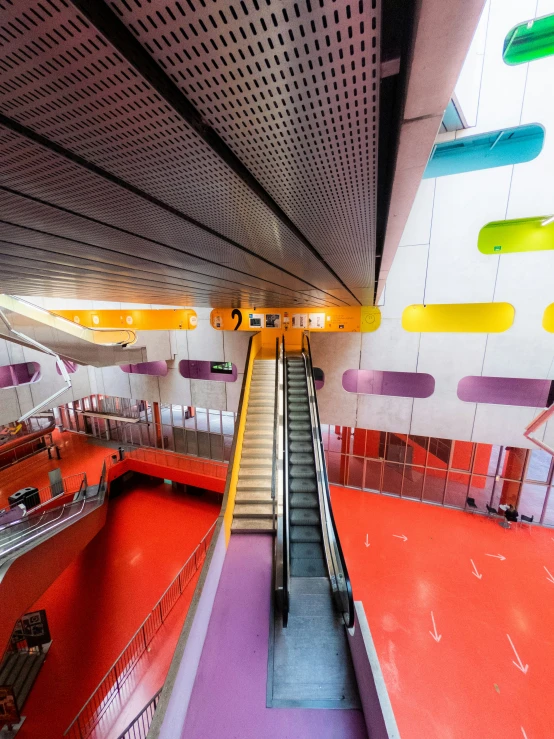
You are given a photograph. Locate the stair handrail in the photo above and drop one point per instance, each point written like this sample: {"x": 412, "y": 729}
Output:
{"x": 138, "y": 732}
{"x": 112, "y": 682}
{"x": 338, "y": 570}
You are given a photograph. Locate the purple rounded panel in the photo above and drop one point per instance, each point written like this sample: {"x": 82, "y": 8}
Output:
{"x": 12, "y": 375}
{"x": 156, "y": 369}
{"x": 504, "y": 391}
{"x": 395, "y": 384}
{"x": 195, "y": 369}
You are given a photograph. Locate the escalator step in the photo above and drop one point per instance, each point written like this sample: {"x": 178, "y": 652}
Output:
{"x": 297, "y": 415}
{"x": 302, "y": 471}
{"x": 308, "y": 568}
{"x": 307, "y": 534}
{"x": 296, "y": 458}
{"x": 304, "y": 550}
{"x": 304, "y": 500}
{"x": 300, "y": 426}
{"x": 299, "y": 406}
{"x": 300, "y": 446}
{"x": 300, "y": 436}
{"x": 304, "y": 517}
{"x": 302, "y": 485}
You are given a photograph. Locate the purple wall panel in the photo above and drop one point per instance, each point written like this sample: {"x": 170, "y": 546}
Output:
{"x": 70, "y": 366}
{"x": 12, "y": 375}
{"x": 195, "y": 369}
{"x": 398, "y": 384}
{"x": 157, "y": 369}
{"x": 504, "y": 391}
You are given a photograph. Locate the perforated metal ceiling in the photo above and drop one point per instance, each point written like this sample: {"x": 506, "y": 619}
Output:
{"x": 131, "y": 189}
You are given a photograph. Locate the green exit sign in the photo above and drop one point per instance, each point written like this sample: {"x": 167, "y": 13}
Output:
{"x": 497, "y": 248}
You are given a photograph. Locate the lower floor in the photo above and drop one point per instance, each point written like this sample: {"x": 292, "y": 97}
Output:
{"x": 102, "y": 598}
{"x": 462, "y": 614}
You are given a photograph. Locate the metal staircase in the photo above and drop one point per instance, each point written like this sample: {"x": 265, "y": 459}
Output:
{"x": 254, "y": 500}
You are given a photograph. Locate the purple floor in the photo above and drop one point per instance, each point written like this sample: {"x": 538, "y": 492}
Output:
{"x": 229, "y": 695}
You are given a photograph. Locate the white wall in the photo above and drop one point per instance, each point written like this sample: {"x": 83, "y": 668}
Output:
{"x": 438, "y": 262}
{"x": 202, "y": 343}
{"x": 14, "y": 402}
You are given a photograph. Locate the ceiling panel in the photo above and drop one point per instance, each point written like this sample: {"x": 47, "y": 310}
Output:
{"x": 107, "y": 185}
{"x": 292, "y": 88}
{"x": 89, "y": 209}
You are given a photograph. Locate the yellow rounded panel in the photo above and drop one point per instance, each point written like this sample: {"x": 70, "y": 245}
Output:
{"x": 486, "y": 318}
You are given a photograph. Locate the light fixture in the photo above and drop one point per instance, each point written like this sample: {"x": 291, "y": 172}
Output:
{"x": 548, "y": 220}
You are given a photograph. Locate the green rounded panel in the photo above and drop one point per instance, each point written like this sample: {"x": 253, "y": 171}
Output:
{"x": 519, "y": 235}
{"x": 530, "y": 40}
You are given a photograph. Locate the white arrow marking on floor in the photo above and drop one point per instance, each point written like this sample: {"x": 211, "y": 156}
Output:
{"x": 367, "y": 540}
{"x": 496, "y": 556}
{"x": 398, "y": 536}
{"x": 475, "y": 572}
{"x": 549, "y": 578}
{"x": 519, "y": 664}
{"x": 436, "y": 637}
{"x": 523, "y": 732}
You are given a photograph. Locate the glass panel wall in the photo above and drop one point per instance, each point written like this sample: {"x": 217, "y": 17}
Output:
{"x": 199, "y": 432}
{"x": 441, "y": 471}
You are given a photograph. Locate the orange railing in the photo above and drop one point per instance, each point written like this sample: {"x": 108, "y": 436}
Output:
{"x": 111, "y": 684}
{"x": 174, "y": 461}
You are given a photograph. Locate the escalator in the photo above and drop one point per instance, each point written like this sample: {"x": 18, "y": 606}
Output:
{"x": 307, "y": 558}
{"x": 310, "y": 664}
{"x": 37, "y": 548}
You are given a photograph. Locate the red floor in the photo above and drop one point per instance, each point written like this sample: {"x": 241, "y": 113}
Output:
{"x": 77, "y": 456}
{"x": 149, "y": 674}
{"x": 467, "y": 684}
{"x": 101, "y": 599}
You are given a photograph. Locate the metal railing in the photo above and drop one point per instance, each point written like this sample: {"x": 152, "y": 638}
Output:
{"x": 285, "y": 598}
{"x": 179, "y": 462}
{"x": 336, "y": 563}
{"x": 139, "y": 726}
{"x": 111, "y": 684}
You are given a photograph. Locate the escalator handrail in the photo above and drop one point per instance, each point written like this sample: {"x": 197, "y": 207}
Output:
{"x": 286, "y": 523}
{"x": 330, "y": 519}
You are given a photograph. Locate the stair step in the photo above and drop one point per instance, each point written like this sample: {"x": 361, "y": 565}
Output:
{"x": 251, "y": 525}
{"x": 253, "y": 510}
{"x": 253, "y": 453}
{"x": 256, "y": 461}
{"x": 251, "y": 472}
{"x": 253, "y": 496}
{"x": 254, "y": 484}
{"x": 264, "y": 444}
